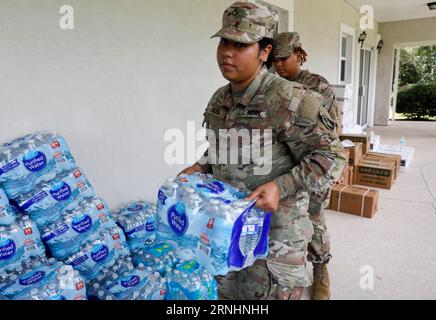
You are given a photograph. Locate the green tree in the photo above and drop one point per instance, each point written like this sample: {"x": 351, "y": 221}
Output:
{"x": 426, "y": 60}
{"x": 410, "y": 72}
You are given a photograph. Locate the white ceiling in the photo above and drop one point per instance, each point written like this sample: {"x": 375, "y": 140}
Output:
{"x": 396, "y": 10}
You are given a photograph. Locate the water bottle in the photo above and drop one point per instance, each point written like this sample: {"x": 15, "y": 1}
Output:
{"x": 402, "y": 143}
{"x": 11, "y": 247}
{"x": 7, "y": 214}
{"x": 32, "y": 238}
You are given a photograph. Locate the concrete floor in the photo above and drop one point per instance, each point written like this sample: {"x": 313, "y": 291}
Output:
{"x": 399, "y": 243}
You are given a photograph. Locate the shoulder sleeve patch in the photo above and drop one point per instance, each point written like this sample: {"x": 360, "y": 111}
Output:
{"x": 309, "y": 109}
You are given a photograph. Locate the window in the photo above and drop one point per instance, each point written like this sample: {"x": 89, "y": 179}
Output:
{"x": 346, "y": 55}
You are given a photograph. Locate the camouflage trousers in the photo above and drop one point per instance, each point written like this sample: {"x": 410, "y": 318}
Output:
{"x": 319, "y": 247}
{"x": 285, "y": 267}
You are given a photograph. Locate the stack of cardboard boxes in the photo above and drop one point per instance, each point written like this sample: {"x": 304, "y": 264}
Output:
{"x": 344, "y": 95}
{"x": 366, "y": 169}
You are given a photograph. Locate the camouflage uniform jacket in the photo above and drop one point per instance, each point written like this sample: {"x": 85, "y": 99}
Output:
{"x": 306, "y": 153}
{"x": 319, "y": 84}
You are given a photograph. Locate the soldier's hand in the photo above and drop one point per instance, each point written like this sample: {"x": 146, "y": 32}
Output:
{"x": 268, "y": 197}
{"x": 192, "y": 170}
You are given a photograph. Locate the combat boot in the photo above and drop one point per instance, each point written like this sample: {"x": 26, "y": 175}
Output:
{"x": 321, "y": 282}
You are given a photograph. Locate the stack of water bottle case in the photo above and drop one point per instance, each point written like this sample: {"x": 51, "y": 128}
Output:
{"x": 59, "y": 241}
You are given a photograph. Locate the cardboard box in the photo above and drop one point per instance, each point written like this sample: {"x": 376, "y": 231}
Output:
{"x": 350, "y": 176}
{"x": 379, "y": 161}
{"x": 396, "y": 159}
{"x": 357, "y": 138}
{"x": 374, "y": 143}
{"x": 375, "y": 174}
{"x": 407, "y": 154}
{"x": 342, "y": 179}
{"x": 357, "y": 201}
{"x": 356, "y": 153}
{"x": 343, "y": 91}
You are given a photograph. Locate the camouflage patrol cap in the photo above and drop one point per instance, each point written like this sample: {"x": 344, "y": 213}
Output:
{"x": 286, "y": 43}
{"x": 248, "y": 22}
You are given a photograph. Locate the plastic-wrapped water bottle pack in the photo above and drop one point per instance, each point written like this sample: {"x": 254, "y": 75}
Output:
{"x": 48, "y": 200}
{"x": 210, "y": 221}
{"x": 32, "y": 159}
{"x": 43, "y": 279}
{"x": 7, "y": 214}
{"x": 158, "y": 256}
{"x": 138, "y": 221}
{"x": 19, "y": 241}
{"x": 189, "y": 281}
{"x": 123, "y": 281}
{"x": 100, "y": 252}
{"x": 65, "y": 236}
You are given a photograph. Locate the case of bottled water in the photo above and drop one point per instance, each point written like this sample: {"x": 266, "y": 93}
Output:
{"x": 19, "y": 241}
{"x": 138, "y": 221}
{"x": 99, "y": 253}
{"x": 65, "y": 236}
{"x": 7, "y": 214}
{"x": 159, "y": 256}
{"x": 48, "y": 200}
{"x": 189, "y": 281}
{"x": 210, "y": 222}
{"x": 43, "y": 279}
{"x": 124, "y": 282}
{"x": 32, "y": 159}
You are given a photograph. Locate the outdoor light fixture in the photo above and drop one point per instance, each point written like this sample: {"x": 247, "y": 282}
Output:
{"x": 380, "y": 45}
{"x": 362, "y": 38}
{"x": 431, "y": 5}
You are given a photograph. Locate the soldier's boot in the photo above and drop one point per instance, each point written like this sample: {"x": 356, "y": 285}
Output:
{"x": 321, "y": 282}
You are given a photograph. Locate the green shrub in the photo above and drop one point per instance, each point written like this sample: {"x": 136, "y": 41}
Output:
{"x": 418, "y": 101}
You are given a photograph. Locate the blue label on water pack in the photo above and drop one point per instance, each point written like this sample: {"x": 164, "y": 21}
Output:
{"x": 33, "y": 278}
{"x": 35, "y": 161}
{"x": 9, "y": 166}
{"x": 64, "y": 228}
{"x": 59, "y": 231}
{"x": 226, "y": 201}
{"x": 213, "y": 187}
{"x": 48, "y": 236}
{"x": 7, "y": 248}
{"x": 177, "y": 218}
{"x": 132, "y": 281}
{"x": 149, "y": 226}
{"x": 162, "y": 197}
{"x": 100, "y": 253}
{"x": 79, "y": 260}
{"x": 82, "y": 224}
{"x": 35, "y": 199}
{"x": 135, "y": 230}
{"x": 61, "y": 191}
{"x": 135, "y": 207}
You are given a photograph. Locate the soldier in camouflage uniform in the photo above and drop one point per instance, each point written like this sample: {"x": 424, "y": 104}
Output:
{"x": 304, "y": 152}
{"x": 289, "y": 56}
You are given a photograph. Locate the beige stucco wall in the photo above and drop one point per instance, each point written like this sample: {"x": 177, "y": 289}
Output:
{"x": 130, "y": 70}
{"x": 319, "y": 23}
{"x": 397, "y": 33}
